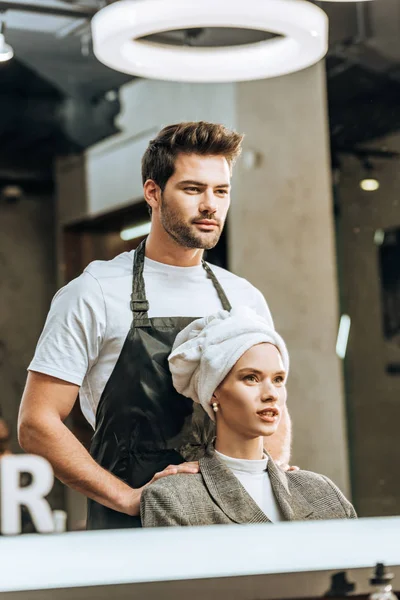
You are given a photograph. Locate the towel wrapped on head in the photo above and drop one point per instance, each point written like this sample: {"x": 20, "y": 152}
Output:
{"x": 206, "y": 350}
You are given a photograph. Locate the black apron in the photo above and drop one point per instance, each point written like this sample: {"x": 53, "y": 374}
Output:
{"x": 142, "y": 423}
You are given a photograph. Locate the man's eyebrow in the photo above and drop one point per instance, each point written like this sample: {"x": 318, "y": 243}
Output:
{"x": 202, "y": 184}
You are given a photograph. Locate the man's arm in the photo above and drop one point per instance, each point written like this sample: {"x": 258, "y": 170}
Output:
{"x": 279, "y": 443}
{"x": 46, "y": 403}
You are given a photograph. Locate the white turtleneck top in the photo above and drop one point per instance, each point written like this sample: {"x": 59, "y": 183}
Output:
{"x": 253, "y": 476}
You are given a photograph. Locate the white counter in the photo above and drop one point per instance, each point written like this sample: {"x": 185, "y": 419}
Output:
{"x": 236, "y": 561}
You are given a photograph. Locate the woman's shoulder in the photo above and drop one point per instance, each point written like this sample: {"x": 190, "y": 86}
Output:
{"x": 309, "y": 480}
{"x": 174, "y": 485}
{"x": 173, "y": 500}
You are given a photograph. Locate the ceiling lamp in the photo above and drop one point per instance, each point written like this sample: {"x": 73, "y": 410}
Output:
{"x": 369, "y": 184}
{"x": 117, "y": 29}
{"x": 6, "y": 52}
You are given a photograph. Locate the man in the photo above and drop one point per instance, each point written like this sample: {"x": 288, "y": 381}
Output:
{"x": 110, "y": 331}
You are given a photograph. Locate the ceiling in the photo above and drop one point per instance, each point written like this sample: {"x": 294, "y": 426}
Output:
{"x": 57, "y": 98}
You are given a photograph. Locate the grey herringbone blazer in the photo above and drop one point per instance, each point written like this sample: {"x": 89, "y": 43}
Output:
{"x": 215, "y": 496}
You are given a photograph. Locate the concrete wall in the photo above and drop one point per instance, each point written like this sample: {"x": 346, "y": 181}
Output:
{"x": 385, "y": 18}
{"x": 282, "y": 240}
{"x": 27, "y": 284}
{"x": 373, "y": 395}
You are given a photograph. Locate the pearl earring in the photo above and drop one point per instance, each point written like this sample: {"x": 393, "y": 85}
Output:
{"x": 215, "y": 407}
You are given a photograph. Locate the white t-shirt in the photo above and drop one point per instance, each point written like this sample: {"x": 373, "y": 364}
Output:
{"x": 253, "y": 476}
{"x": 90, "y": 317}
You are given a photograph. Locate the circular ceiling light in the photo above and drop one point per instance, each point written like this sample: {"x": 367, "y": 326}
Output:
{"x": 117, "y": 29}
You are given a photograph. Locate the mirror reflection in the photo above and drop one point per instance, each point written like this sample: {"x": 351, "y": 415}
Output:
{"x": 200, "y": 263}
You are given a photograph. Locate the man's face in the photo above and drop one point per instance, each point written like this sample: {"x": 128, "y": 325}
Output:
{"x": 195, "y": 200}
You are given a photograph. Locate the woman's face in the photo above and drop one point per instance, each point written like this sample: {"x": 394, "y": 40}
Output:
{"x": 253, "y": 395}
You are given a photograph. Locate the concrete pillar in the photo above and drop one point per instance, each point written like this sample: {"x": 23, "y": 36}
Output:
{"x": 368, "y": 221}
{"x": 282, "y": 240}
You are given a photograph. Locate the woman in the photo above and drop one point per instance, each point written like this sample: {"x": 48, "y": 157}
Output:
{"x": 236, "y": 367}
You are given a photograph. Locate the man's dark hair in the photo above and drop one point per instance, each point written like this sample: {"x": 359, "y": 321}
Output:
{"x": 207, "y": 139}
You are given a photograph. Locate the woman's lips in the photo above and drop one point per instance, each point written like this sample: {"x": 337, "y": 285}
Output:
{"x": 268, "y": 415}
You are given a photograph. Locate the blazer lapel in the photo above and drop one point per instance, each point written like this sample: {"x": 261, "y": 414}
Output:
{"x": 228, "y": 493}
{"x": 291, "y": 501}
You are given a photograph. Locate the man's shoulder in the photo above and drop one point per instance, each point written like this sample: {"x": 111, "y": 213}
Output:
{"x": 240, "y": 291}
{"x": 224, "y": 274}
{"x": 231, "y": 281}
{"x": 119, "y": 266}
{"x": 96, "y": 281}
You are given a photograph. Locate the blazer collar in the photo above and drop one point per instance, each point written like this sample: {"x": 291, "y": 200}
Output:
{"x": 231, "y": 497}
{"x": 227, "y": 491}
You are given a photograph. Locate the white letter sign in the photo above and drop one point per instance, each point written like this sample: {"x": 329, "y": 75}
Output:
{"x": 13, "y": 496}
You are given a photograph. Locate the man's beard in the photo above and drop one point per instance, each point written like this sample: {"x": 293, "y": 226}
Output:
{"x": 184, "y": 234}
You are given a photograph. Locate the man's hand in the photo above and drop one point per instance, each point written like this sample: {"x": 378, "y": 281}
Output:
{"x": 186, "y": 467}
{"x": 133, "y": 497}
{"x": 287, "y": 468}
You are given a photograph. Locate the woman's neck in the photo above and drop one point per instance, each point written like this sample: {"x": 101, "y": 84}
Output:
{"x": 237, "y": 447}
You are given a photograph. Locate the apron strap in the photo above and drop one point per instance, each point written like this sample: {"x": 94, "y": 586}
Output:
{"x": 226, "y": 305}
{"x": 139, "y": 302}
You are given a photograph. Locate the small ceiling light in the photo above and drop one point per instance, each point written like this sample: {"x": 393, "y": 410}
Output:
{"x": 6, "y": 52}
{"x": 379, "y": 237}
{"x": 369, "y": 184}
{"x": 11, "y": 193}
{"x": 301, "y": 26}
{"x": 130, "y": 233}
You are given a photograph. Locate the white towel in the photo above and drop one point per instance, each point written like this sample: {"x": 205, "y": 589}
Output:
{"x": 206, "y": 350}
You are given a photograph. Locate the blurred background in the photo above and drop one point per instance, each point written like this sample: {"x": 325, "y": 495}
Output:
{"x": 314, "y": 221}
